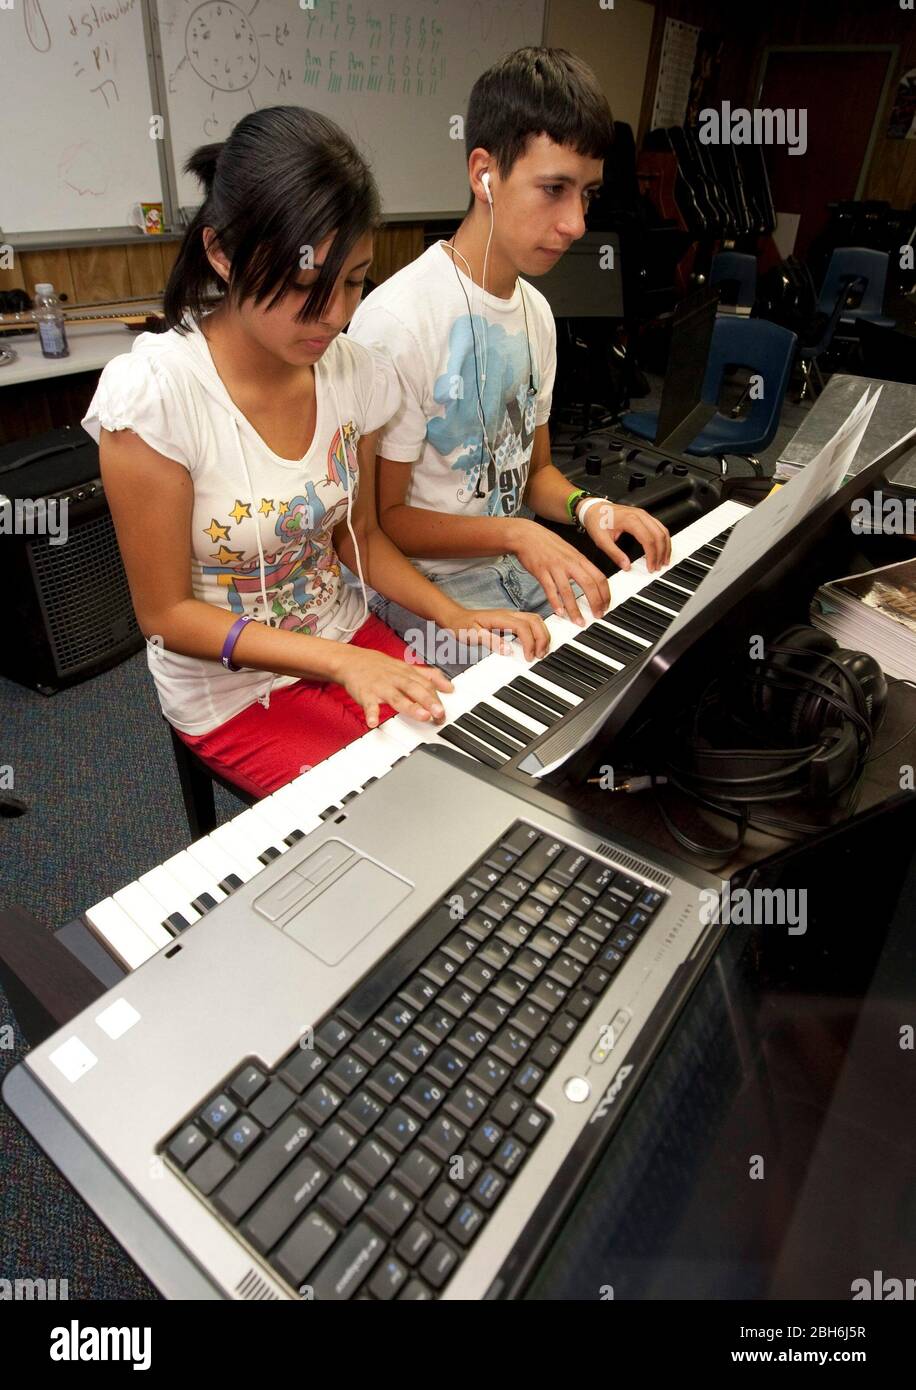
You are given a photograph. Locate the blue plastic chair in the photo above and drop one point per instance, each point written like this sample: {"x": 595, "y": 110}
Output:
{"x": 740, "y": 269}
{"x": 850, "y": 262}
{"x": 768, "y": 351}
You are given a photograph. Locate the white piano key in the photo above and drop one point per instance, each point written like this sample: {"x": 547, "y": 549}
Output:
{"x": 244, "y": 838}
{"x": 119, "y": 933}
{"x": 193, "y": 877}
{"x": 303, "y": 799}
{"x": 146, "y": 912}
{"x": 170, "y": 894}
{"x": 274, "y": 825}
{"x": 217, "y": 860}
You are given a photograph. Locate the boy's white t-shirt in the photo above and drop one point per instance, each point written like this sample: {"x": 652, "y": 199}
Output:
{"x": 447, "y": 338}
{"x": 167, "y": 390}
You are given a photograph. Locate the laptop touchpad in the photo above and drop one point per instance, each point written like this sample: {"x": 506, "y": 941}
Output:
{"x": 347, "y": 911}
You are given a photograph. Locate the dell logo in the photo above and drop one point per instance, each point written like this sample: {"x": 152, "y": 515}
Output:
{"x": 611, "y": 1094}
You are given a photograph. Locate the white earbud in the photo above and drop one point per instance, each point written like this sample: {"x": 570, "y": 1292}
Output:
{"x": 485, "y": 180}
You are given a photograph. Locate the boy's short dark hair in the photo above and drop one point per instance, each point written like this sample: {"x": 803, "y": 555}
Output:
{"x": 537, "y": 91}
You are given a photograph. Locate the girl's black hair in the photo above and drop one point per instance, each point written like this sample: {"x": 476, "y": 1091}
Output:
{"x": 538, "y": 91}
{"x": 285, "y": 180}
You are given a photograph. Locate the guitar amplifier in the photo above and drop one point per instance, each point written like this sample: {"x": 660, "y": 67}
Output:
{"x": 60, "y": 565}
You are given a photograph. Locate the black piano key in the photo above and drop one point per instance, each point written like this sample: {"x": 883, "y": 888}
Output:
{"x": 578, "y": 663}
{"x": 497, "y": 720}
{"x": 541, "y": 713}
{"x": 601, "y": 628}
{"x": 595, "y": 670}
{"x": 566, "y": 661}
{"x": 489, "y": 736}
{"x": 540, "y": 696}
{"x": 461, "y": 740}
{"x": 706, "y": 555}
{"x": 349, "y": 796}
{"x": 679, "y": 576}
{"x": 204, "y": 902}
{"x": 268, "y": 855}
{"x": 597, "y": 644}
{"x": 696, "y": 572}
{"x": 175, "y": 923}
{"x": 631, "y": 622}
{"x": 230, "y": 883}
{"x": 553, "y": 671}
{"x": 328, "y": 812}
{"x": 666, "y": 595}
{"x": 635, "y": 606}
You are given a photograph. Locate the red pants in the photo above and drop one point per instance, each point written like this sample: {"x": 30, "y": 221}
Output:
{"x": 262, "y": 749}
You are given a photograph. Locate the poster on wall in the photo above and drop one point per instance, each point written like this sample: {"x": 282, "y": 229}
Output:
{"x": 902, "y": 124}
{"x": 675, "y": 73}
{"x": 688, "y": 73}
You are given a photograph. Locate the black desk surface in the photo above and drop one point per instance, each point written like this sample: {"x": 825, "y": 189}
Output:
{"x": 789, "y": 1051}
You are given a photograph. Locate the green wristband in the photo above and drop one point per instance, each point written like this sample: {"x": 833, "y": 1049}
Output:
{"x": 571, "y": 501}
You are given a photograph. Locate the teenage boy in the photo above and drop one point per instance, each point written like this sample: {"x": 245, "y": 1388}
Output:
{"x": 475, "y": 350}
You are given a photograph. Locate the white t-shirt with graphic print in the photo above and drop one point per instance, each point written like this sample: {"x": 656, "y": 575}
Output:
{"x": 167, "y": 390}
{"x": 449, "y": 340}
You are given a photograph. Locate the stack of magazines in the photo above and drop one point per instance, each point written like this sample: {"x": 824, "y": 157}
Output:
{"x": 873, "y": 612}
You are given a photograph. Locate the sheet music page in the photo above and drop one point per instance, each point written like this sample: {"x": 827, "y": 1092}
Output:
{"x": 757, "y": 532}
{"x": 771, "y": 519}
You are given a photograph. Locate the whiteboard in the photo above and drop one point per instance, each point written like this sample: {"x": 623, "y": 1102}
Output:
{"x": 393, "y": 75}
{"x": 75, "y": 107}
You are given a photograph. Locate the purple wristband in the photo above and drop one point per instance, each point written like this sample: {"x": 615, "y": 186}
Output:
{"x": 232, "y": 636}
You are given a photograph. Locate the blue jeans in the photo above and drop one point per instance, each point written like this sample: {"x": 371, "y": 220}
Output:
{"x": 505, "y": 584}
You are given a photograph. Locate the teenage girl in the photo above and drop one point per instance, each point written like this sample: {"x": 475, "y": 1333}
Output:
{"x": 238, "y": 456}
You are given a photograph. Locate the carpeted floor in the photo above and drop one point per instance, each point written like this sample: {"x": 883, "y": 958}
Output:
{"x": 95, "y": 766}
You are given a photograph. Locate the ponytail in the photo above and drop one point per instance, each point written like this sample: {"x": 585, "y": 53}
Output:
{"x": 193, "y": 280}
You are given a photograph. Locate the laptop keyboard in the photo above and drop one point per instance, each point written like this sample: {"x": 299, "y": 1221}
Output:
{"x": 369, "y": 1160}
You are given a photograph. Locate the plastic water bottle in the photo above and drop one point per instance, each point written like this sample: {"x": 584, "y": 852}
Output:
{"x": 49, "y": 317}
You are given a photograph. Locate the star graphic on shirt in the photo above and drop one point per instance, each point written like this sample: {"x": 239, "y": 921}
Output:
{"x": 241, "y": 510}
{"x": 226, "y": 556}
{"x": 267, "y": 506}
{"x": 282, "y": 508}
{"x": 216, "y": 532}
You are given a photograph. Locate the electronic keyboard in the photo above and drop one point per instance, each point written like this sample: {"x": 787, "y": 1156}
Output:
{"x": 497, "y": 711}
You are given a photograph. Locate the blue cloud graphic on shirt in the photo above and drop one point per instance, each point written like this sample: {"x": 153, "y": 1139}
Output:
{"x": 506, "y": 408}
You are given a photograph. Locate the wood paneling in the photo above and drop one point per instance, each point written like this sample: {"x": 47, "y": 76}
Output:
{"x": 100, "y": 273}
{"x": 48, "y": 265}
{"x": 395, "y": 247}
{"x": 144, "y": 269}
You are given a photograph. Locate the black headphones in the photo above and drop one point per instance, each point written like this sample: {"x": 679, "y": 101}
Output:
{"x": 817, "y": 705}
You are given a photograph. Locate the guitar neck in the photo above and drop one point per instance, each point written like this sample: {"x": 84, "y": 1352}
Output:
{"x": 88, "y": 314}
